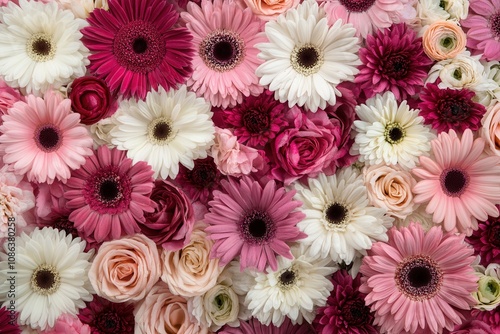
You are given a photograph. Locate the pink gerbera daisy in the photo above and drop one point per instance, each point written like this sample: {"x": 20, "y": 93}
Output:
{"x": 226, "y": 58}
{"x": 483, "y": 34}
{"x": 43, "y": 139}
{"x": 366, "y": 16}
{"x": 253, "y": 222}
{"x": 486, "y": 241}
{"x": 135, "y": 47}
{"x": 108, "y": 195}
{"x": 460, "y": 185}
{"x": 393, "y": 60}
{"x": 419, "y": 281}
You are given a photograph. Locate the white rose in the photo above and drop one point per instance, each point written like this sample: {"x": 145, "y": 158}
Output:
{"x": 458, "y": 9}
{"x": 429, "y": 11}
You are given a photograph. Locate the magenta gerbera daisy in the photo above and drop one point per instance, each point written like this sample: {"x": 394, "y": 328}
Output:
{"x": 109, "y": 195}
{"x": 393, "y": 60}
{"x": 419, "y": 281}
{"x": 446, "y": 109}
{"x": 254, "y": 222}
{"x": 135, "y": 47}
{"x": 486, "y": 241}
{"x": 104, "y": 316}
{"x": 483, "y": 23}
{"x": 491, "y": 318}
{"x": 257, "y": 119}
{"x": 225, "y": 60}
{"x": 459, "y": 184}
{"x": 254, "y": 326}
{"x": 44, "y": 139}
{"x": 8, "y": 321}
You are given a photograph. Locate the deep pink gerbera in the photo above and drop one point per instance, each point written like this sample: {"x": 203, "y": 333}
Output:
{"x": 8, "y": 322}
{"x": 253, "y": 326}
{"x": 136, "y": 49}
{"x": 257, "y": 119}
{"x": 459, "y": 184}
{"x": 106, "y": 317}
{"x": 446, "y": 109}
{"x": 491, "y": 318}
{"x": 393, "y": 60}
{"x": 419, "y": 281}
{"x": 486, "y": 241}
{"x": 483, "y": 23}
{"x": 109, "y": 194}
{"x": 253, "y": 222}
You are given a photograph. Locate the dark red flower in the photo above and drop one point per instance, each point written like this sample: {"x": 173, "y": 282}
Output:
{"x": 105, "y": 317}
{"x": 486, "y": 241}
{"x": 8, "y": 321}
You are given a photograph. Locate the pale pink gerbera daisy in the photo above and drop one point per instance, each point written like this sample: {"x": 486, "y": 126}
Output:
{"x": 459, "y": 184}
{"x": 44, "y": 139}
{"x": 253, "y": 222}
{"x": 419, "y": 282}
{"x": 225, "y": 60}
{"x": 108, "y": 195}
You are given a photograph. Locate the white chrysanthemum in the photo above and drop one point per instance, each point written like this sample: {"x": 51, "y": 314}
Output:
{"x": 340, "y": 223}
{"x": 294, "y": 290}
{"x": 165, "y": 129}
{"x": 51, "y": 276}
{"x": 390, "y": 133}
{"x": 306, "y": 59}
{"x": 40, "y": 46}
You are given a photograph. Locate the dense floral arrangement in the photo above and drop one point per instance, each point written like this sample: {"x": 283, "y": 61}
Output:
{"x": 250, "y": 166}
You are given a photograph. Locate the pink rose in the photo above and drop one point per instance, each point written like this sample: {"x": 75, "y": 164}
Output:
{"x": 171, "y": 223}
{"x": 233, "y": 158}
{"x": 125, "y": 269}
{"x": 190, "y": 271}
{"x": 490, "y": 131}
{"x": 91, "y": 98}
{"x": 163, "y": 312}
{"x": 270, "y": 9}
{"x": 67, "y": 324}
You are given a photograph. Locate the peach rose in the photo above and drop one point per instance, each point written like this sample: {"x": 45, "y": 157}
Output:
{"x": 389, "y": 187}
{"x": 125, "y": 269}
{"x": 190, "y": 272}
{"x": 490, "y": 131}
{"x": 269, "y": 9}
{"x": 443, "y": 40}
{"x": 163, "y": 312}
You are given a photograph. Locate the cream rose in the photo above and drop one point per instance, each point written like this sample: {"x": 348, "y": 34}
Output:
{"x": 389, "y": 187}
{"x": 490, "y": 131}
{"x": 269, "y": 9}
{"x": 125, "y": 269}
{"x": 189, "y": 271}
{"x": 443, "y": 40}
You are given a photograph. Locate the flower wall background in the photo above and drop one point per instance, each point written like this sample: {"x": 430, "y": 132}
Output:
{"x": 250, "y": 166}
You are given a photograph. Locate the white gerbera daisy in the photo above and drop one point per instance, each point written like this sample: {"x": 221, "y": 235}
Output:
{"x": 306, "y": 59}
{"x": 340, "y": 224}
{"x": 40, "y": 46}
{"x": 165, "y": 129}
{"x": 294, "y": 290}
{"x": 390, "y": 133}
{"x": 51, "y": 276}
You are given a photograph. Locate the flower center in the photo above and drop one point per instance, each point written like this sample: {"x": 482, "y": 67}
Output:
{"x": 160, "y": 131}
{"x": 418, "y": 277}
{"x": 396, "y": 66}
{"x": 106, "y": 191}
{"x": 139, "y": 47}
{"x": 40, "y": 47}
{"x": 222, "y": 50}
{"x": 109, "y": 190}
{"x": 306, "y": 59}
{"x": 45, "y": 280}
{"x": 204, "y": 174}
{"x": 494, "y": 23}
{"x": 355, "y": 312}
{"x": 107, "y": 322}
{"x": 63, "y": 224}
{"x": 48, "y": 138}
{"x": 287, "y": 278}
{"x": 257, "y": 227}
{"x": 453, "y": 110}
{"x": 357, "y": 5}
{"x": 336, "y": 216}
{"x": 256, "y": 121}
{"x": 394, "y": 133}
{"x": 494, "y": 236}
{"x": 454, "y": 182}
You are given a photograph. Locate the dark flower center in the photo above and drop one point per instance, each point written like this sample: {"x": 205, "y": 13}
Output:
{"x": 454, "y": 182}
{"x": 419, "y": 277}
{"x": 109, "y": 190}
{"x": 336, "y": 213}
{"x": 63, "y": 224}
{"x": 396, "y": 66}
{"x": 306, "y": 59}
{"x": 222, "y": 50}
{"x": 48, "y": 138}
{"x": 107, "y": 322}
{"x": 287, "y": 277}
{"x": 357, "y": 5}
{"x": 455, "y": 110}
{"x": 204, "y": 174}
{"x": 494, "y": 236}
{"x": 355, "y": 312}
{"x": 394, "y": 133}
{"x": 45, "y": 280}
{"x": 140, "y": 45}
{"x": 162, "y": 131}
{"x": 494, "y": 23}
{"x": 257, "y": 227}
{"x": 42, "y": 47}
{"x": 256, "y": 121}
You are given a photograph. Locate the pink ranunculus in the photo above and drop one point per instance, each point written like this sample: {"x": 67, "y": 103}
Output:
{"x": 67, "y": 324}
{"x": 91, "y": 98}
{"x": 306, "y": 148}
{"x": 125, "y": 269}
{"x": 171, "y": 224}
{"x": 233, "y": 158}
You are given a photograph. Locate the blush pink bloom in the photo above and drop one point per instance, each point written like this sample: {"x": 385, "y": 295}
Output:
{"x": 8, "y": 96}
{"x": 48, "y": 198}
{"x": 68, "y": 324}
{"x": 269, "y": 9}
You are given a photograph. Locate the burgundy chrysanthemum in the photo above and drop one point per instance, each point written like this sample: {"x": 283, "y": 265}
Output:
{"x": 105, "y": 317}
{"x": 486, "y": 241}
{"x": 257, "y": 119}
{"x": 8, "y": 325}
{"x": 446, "y": 109}
{"x": 135, "y": 47}
{"x": 393, "y": 60}
{"x": 345, "y": 310}
{"x": 253, "y": 326}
